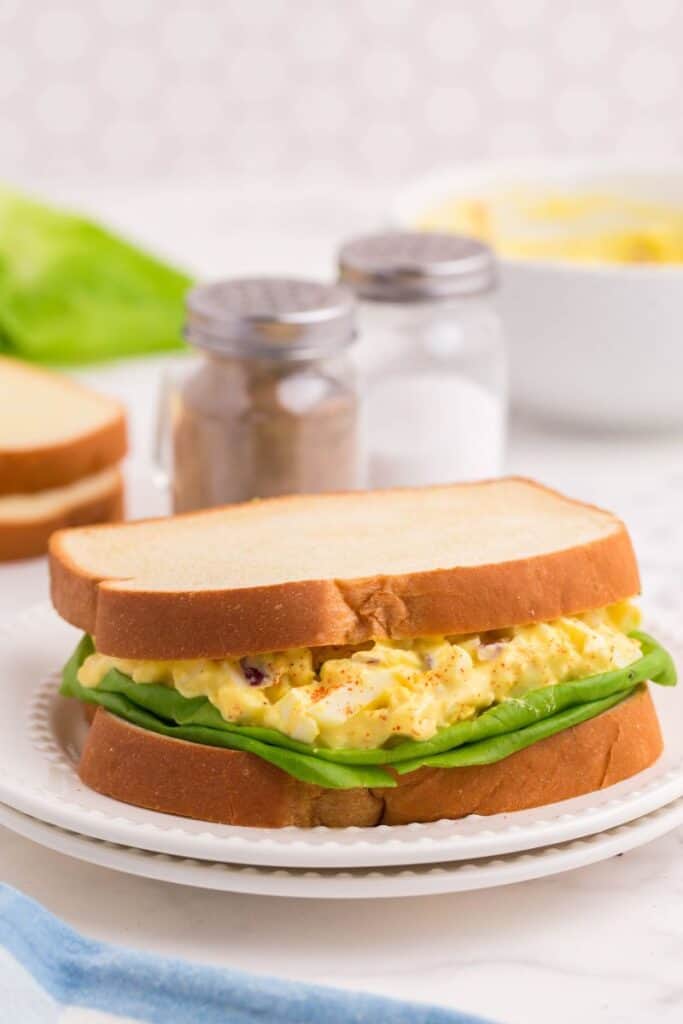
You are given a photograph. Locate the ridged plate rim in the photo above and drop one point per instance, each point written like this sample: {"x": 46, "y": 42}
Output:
{"x": 358, "y": 883}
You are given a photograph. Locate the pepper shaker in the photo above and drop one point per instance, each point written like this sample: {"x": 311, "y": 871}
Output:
{"x": 270, "y": 405}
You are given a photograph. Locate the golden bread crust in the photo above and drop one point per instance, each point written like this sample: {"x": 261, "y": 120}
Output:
{"x": 56, "y": 465}
{"x": 28, "y": 539}
{"x": 231, "y": 787}
{"x": 133, "y": 622}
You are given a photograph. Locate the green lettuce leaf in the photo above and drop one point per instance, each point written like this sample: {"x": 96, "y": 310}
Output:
{"x": 498, "y": 747}
{"x": 491, "y": 736}
{"x": 115, "y": 696}
{"x": 71, "y": 291}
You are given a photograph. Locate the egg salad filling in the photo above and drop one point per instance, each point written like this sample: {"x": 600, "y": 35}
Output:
{"x": 390, "y": 691}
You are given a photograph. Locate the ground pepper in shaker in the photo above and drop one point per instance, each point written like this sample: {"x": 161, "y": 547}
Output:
{"x": 271, "y": 407}
{"x": 432, "y": 356}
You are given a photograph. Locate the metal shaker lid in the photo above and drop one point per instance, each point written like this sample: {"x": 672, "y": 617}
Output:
{"x": 411, "y": 266}
{"x": 270, "y": 316}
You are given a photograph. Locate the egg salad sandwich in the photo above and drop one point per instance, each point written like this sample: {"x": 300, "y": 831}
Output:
{"x": 360, "y": 659}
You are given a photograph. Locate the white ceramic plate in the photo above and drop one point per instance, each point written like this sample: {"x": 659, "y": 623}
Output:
{"x": 41, "y": 734}
{"x": 359, "y": 883}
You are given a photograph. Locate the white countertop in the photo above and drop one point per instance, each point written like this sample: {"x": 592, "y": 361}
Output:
{"x": 600, "y": 944}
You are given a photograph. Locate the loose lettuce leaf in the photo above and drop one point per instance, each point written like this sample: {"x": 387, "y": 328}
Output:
{"x": 493, "y": 735}
{"x": 71, "y": 291}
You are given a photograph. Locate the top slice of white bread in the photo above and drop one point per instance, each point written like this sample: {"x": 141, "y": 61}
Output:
{"x": 40, "y": 407}
{"x": 53, "y": 430}
{"x": 330, "y": 569}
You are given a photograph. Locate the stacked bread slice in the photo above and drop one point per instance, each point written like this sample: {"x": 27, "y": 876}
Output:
{"x": 60, "y": 448}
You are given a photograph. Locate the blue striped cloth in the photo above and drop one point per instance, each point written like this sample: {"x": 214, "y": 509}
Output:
{"x": 50, "y": 974}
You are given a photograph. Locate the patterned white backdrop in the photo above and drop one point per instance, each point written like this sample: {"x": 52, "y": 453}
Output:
{"x": 329, "y": 90}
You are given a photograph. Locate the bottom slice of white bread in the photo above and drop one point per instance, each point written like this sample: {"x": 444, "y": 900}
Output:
{"x": 28, "y": 520}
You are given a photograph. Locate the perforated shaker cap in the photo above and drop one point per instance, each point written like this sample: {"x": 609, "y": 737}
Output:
{"x": 415, "y": 265}
{"x": 269, "y": 316}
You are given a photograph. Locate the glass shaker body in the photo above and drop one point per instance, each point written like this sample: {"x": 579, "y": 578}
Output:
{"x": 436, "y": 390}
{"x": 268, "y": 405}
{"x": 244, "y": 428}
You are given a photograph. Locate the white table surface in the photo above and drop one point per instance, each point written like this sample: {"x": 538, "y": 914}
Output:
{"x": 600, "y": 944}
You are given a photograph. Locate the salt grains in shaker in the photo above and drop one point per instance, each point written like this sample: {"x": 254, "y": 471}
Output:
{"x": 271, "y": 406}
{"x": 432, "y": 355}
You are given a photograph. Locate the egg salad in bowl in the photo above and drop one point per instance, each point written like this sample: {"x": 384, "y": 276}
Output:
{"x": 390, "y": 691}
{"x": 581, "y": 227}
{"x": 590, "y": 256}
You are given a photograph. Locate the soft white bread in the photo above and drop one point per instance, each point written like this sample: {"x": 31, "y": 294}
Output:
{"x": 236, "y": 788}
{"x": 28, "y": 520}
{"x": 53, "y": 431}
{"x": 339, "y": 569}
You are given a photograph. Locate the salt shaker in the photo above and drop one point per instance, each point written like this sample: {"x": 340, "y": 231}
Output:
{"x": 269, "y": 406}
{"x": 432, "y": 355}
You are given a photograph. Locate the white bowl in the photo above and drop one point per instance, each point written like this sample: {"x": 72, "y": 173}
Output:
{"x": 590, "y": 344}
